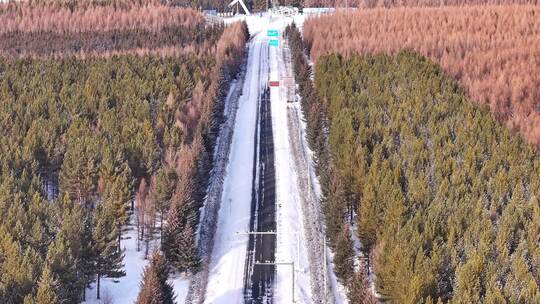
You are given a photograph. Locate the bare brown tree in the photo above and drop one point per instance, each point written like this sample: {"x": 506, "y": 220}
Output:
{"x": 92, "y": 30}
{"x": 60, "y": 19}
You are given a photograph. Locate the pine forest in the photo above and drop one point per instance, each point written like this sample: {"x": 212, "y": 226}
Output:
{"x": 493, "y": 51}
{"x": 110, "y": 113}
{"x": 313, "y": 152}
{"x": 414, "y": 163}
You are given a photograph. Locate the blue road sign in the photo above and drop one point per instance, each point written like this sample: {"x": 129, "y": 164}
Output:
{"x": 274, "y": 42}
{"x": 272, "y": 33}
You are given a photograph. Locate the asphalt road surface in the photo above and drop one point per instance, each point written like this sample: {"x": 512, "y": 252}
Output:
{"x": 260, "y": 271}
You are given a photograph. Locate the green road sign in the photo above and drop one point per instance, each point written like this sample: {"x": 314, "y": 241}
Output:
{"x": 272, "y": 33}
{"x": 274, "y": 42}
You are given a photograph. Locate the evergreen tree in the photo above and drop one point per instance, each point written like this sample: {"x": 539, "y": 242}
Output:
{"x": 38, "y": 237}
{"x": 344, "y": 254}
{"x": 62, "y": 264}
{"x": 367, "y": 218}
{"x": 179, "y": 238}
{"x": 76, "y": 230}
{"x": 162, "y": 191}
{"x": 18, "y": 269}
{"x": 47, "y": 288}
{"x": 79, "y": 172}
{"x": 118, "y": 193}
{"x": 335, "y": 207}
{"x": 87, "y": 253}
{"x": 163, "y": 270}
{"x": 469, "y": 281}
{"x": 108, "y": 258}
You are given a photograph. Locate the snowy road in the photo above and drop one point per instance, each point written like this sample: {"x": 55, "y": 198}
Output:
{"x": 226, "y": 277}
{"x": 261, "y": 192}
{"x": 260, "y": 268}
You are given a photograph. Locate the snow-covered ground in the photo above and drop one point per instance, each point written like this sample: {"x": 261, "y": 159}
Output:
{"x": 125, "y": 289}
